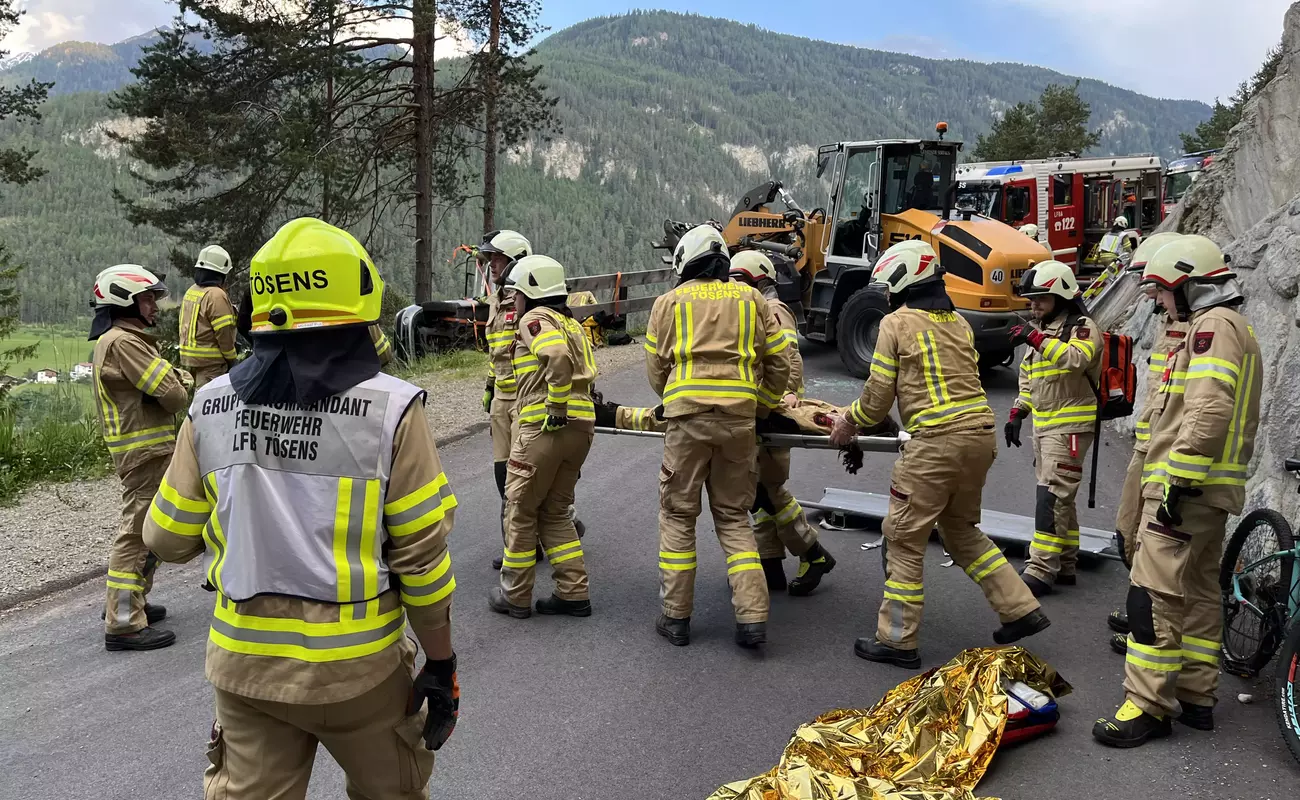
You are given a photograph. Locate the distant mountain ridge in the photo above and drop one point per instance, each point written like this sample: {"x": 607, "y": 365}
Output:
{"x": 662, "y": 114}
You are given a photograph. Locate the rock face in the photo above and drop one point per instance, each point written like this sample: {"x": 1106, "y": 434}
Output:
{"x": 1249, "y": 202}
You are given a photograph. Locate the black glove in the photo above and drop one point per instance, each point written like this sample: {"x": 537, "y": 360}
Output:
{"x": 606, "y": 415}
{"x": 554, "y": 423}
{"x": 1168, "y": 510}
{"x": 659, "y": 413}
{"x": 1012, "y": 429}
{"x": 437, "y": 683}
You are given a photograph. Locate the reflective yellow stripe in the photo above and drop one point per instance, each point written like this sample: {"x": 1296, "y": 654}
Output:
{"x": 984, "y": 566}
{"x": 548, "y": 339}
{"x": 213, "y": 536}
{"x": 434, "y": 586}
{"x": 904, "y": 592}
{"x": 178, "y": 514}
{"x": 858, "y": 417}
{"x": 1153, "y": 658}
{"x": 314, "y": 642}
{"x": 153, "y": 376}
{"x": 224, "y": 321}
{"x": 342, "y": 525}
{"x": 677, "y": 561}
{"x": 134, "y": 440}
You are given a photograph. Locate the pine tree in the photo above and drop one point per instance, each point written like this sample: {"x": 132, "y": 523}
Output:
{"x": 21, "y": 102}
{"x": 1054, "y": 126}
{"x": 1213, "y": 133}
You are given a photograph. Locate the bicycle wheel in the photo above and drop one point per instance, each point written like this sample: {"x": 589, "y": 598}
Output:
{"x": 1286, "y": 689}
{"x": 1252, "y": 630}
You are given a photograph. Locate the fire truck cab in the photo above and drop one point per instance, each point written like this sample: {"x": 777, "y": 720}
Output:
{"x": 1073, "y": 201}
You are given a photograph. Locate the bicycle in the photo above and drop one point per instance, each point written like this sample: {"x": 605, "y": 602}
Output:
{"x": 1261, "y": 609}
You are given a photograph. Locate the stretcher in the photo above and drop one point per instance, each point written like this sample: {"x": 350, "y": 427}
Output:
{"x": 1000, "y": 527}
{"x": 869, "y": 444}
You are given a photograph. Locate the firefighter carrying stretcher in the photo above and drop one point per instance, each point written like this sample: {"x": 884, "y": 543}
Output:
{"x": 779, "y": 520}
{"x": 925, "y": 359}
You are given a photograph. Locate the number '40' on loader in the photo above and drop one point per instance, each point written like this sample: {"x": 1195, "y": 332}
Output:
{"x": 882, "y": 192}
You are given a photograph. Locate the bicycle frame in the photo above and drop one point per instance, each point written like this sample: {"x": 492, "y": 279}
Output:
{"x": 1293, "y": 597}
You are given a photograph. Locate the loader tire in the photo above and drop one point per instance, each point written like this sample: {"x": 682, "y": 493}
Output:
{"x": 857, "y": 328}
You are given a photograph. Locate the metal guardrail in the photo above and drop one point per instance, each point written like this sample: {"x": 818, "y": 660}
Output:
{"x": 612, "y": 285}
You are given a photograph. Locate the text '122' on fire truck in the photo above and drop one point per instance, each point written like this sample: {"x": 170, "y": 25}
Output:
{"x": 1073, "y": 201}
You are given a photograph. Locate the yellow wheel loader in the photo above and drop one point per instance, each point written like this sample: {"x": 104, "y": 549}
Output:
{"x": 883, "y": 192}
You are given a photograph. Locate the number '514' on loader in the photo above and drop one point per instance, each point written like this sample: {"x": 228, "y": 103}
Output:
{"x": 882, "y": 192}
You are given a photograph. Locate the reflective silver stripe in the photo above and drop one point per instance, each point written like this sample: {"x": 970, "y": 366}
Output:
{"x": 740, "y": 563}
{"x": 294, "y": 639}
{"x": 355, "y": 533}
{"x": 949, "y": 410}
{"x": 169, "y": 509}
{"x": 439, "y": 584}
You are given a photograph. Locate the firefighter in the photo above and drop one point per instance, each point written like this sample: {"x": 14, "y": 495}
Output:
{"x": 244, "y": 324}
{"x": 1030, "y": 230}
{"x": 499, "y": 250}
{"x": 718, "y": 358}
{"x": 925, "y": 359}
{"x": 1057, "y": 376}
{"x": 1171, "y": 333}
{"x": 137, "y": 395}
{"x": 207, "y": 332}
{"x": 779, "y": 521}
{"x": 314, "y": 481}
{"x": 1197, "y": 461}
{"x": 555, "y": 368}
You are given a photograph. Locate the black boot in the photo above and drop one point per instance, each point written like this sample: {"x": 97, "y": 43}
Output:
{"x": 1199, "y": 717}
{"x": 153, "y": 614}
{"x": 558, "y": 605}
{"x": 1119, "y": 643}
{"x": 1033, "y": 622}
{"x": 812, "y": 566}
{"x": 143, "y": 639}
{"x": 873, "y": 650}
{"x": 676, "y": 631}
{"x": 1039, "y": 588}
{"x": 751, "y": 634}
{"x": 1118, "y": 621}
{"x": 1131, "y": 727}
{"x": 496, "y": 563}
{"x": 497, "y": 602}
{"x": 775, "y": 573}
{"x": 1067, "y": 580}
{"x": 579, "y": 527}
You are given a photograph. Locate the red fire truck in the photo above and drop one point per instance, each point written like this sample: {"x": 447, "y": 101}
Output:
{"x": 1073, "y": 201}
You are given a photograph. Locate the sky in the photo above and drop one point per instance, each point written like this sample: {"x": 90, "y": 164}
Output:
{"x": 1168, "y": 48}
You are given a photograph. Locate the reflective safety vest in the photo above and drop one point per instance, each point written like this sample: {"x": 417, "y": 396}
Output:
{"x": 298, "y": 493}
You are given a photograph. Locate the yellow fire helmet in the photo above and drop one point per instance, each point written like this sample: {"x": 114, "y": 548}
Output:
{"x": 1148, "y": 248}
{"x": 313, "y": 275}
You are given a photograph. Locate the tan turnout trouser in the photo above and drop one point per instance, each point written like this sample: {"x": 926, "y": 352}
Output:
{"x": 129, "y": 580}
{"x": 1174, "y": 610}
{"x": 787, "y": 528}
{"x": 501, "y": 419}
{"x": 541, "y": 476}
{"x": 1058, "y": 460}
{"x": 1129, "y": 515}
{"x": 940, "y": 479}
{"x": 717, "y": 451}
{"x": 207, "y": 373}
{"x": 262, "y": 749}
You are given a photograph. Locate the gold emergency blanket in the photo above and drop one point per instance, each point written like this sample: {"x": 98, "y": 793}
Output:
{"x": 930, "y": 738}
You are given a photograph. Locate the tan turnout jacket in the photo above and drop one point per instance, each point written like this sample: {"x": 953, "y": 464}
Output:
{"x": 1056, "y": 380}
{"x": 501, "y": 326}
{"x": 137, "y": 395}
{"x": 1172, "y": 334}
{"x": 555, "y": 368}
{"x": 207, "y": 327}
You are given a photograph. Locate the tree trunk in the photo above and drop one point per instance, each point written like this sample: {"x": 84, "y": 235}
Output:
{"x": 490, "y": 121}
{"x": 423, "y": 17}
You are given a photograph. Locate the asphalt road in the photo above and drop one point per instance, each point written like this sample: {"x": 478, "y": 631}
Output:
{"x": 602, "y": 708}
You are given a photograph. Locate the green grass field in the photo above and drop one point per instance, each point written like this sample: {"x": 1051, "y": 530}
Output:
{"x": 58, "y": 348}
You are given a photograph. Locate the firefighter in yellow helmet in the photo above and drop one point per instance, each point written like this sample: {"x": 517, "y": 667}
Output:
{"x": 1057, "y": 376}
{"x": 925, "y": 360}
{"x": 1169, "y": 335}
{"x": 499, "y": 250}
{"x": 555, "y": 368}
{"x": 137, "y": 395}
{"x": 779, "y": 521}
{"x": 311, "y": 479}
{"x": 718, "y": 358}
{"x": 207, "y": 334}
{"x": 1197, "y": 461}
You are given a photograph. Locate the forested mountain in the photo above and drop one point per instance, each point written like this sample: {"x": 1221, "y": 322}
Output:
{"x": 663, "y": 115}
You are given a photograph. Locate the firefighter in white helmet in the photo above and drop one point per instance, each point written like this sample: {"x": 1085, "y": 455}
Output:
{"x": 137, "y": 395}
{"x": 498, "y": 250}
{"x": 1057, "y": 376}
{"x": 313, "y": 480}
{"x": 555, "y": 369}
{"x": 717, "y": 356}
{"x": 925, "y": 360}
{"x": 1170, "y": 334}
{"x": 1195, "y": 477}
{"x": 779, "y": 520}
{"x": 1030, "y": 230}
{"x": 207, "y": 327}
